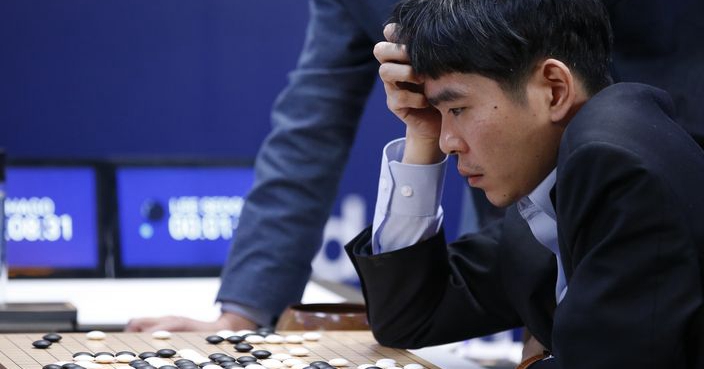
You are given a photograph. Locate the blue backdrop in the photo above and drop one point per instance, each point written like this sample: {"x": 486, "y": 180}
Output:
{"x": 177, "y": 78}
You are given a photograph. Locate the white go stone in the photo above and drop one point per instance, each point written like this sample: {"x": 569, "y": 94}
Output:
{"x": 364, "y": 366}
{"x": 190, "y": 354}
{"x": 254, "y": 366}
{"x": 209, "y": 366}
{"x": 83, "y": 358}
{"x": 89, "y": 364}
{"x": 293, "y": 361}
{"x": 294, "y": 338}
{"x": 96, "y": 335}
{"x": 394, "y": 367}
{"x": 161, "y": 335}
{"x": 254, "y": 338}
{"x": 156, "y": 361}
{"x": 242, "y": 332}
{"x": 225, "y": 333}
{"x": 413, "y": 366}
{"x": 272, "y": 363}
{"x": 300, "y": 366}
{"x": 125, "y": 358}
{"x": 274, "y": 338}
{"x": 311, "y": 336}
{"x": 299, "y": 351}
{"x": 385, "y": 363}
{"x": 105, "y": 359}
{"x": 281, "y": 356}
{"x": 338, "y": 362}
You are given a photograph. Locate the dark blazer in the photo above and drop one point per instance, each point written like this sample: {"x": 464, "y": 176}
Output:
{"x": 629, "y": 198}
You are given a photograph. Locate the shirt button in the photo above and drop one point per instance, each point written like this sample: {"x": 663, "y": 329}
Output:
{"x": 384, "y": 184}
{"x": 407, "y": 191}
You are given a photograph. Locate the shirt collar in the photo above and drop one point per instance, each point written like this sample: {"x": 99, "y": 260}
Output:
{"x": 540, "y": 196}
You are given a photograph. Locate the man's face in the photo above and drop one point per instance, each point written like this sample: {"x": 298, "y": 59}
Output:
{"x": 503, "y": 146}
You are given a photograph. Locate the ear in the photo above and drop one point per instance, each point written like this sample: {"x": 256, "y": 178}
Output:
{"x": 561, "y": 90}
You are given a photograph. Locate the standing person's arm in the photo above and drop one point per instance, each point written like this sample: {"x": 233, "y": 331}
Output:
{"x": 298, "y": 169}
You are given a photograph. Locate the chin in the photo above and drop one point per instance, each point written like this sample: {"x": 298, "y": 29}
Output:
{"x": 500, "y": 200}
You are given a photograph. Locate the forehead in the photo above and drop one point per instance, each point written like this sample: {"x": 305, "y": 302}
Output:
{"x": 454, "y": 86}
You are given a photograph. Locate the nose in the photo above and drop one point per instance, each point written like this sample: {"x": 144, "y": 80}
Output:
{"x": 450, "y": 140}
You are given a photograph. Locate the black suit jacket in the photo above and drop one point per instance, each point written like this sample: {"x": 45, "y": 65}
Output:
{"x": 630, "y": 213}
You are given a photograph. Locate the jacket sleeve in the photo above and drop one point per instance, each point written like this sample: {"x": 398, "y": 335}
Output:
{"x": 634, "y": 283}
{"x": 432, "y": 293}
{"x": 300, "y": 163}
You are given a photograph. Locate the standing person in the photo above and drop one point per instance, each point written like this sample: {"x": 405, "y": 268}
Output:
{"x": 598, "y": 173}
{"x": 298, "y": 168}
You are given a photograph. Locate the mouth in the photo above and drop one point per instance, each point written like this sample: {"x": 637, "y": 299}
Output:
{"x": 474, "y": 179}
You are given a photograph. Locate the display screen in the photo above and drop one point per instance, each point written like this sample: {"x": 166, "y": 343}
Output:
{"x": 178, "y": 217}
{"x": 51, "y": 219}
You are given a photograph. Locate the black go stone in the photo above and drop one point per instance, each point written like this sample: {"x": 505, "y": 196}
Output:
{"x": 373, "y": 367}
{"x": 180, "y": 362}
{"x": 83, "y": 353}
{"x": 243, "y": 347}
{"x": 261, "y": 354}
{"x": 41, "y": 344}
{"x": 246, "y": 359}
{"x": 125, "y": 353}
{"x": 52, "y": 337}
{"x": 214, "y": 340}
{"x": 147, "y": 354}
{"x": 166, "y": 352}
{"x": 263, "y": 331}
{"x": 138, "y": 363}
{"x": 311, "y": 367}
{"x": 235, "y": 339}
{"x": 216, "y": 355}
{"x": 189, "y": 366}
{"x": 71, "y": 366}
{"x": 51, "y": 366}
{"x": 231, "y": 364}
{"x": 167, "y": 367}
{"x": 319, "y": 364}
{"x": 206, "y": 363}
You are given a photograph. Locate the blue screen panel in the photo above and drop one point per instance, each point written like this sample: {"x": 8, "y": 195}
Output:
{"x": 175, "y": 217}
{"x": 51, "y": 218}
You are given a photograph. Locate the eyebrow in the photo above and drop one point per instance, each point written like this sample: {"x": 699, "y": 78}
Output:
{"x": 444, "y": 95}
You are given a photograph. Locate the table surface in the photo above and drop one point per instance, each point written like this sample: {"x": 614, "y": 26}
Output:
{"x": 359, "y": 347}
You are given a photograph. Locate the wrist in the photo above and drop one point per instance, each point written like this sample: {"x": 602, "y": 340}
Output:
{"x": 233, "y": 321}
{"x": 422, "y": 150}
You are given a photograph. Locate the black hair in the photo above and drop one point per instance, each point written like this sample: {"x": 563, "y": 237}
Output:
{"x": 504, "y": 39}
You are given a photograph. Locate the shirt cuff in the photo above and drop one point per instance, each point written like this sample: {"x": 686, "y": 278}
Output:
{"x": 261, "y": 318}
{"x": 408, "y": 201}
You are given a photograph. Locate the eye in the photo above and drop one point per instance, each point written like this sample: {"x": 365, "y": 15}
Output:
{"x": 456, "y": 111}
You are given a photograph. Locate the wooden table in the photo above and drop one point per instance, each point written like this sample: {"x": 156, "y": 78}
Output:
{"x": 359, "y": 347}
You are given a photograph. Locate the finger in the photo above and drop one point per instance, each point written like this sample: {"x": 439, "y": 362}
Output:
{"x": 393, "y": 73}
{"x": 390, "y": 32}
{"x": 391, "y": 52}
{"x": 137, "y": 325}
{"x": 398, "y": 100}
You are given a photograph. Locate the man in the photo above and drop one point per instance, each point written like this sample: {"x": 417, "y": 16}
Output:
{"x": 599, "y": 174}
{"x": 281, "y": 224}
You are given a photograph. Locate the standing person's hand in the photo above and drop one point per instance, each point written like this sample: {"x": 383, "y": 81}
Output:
{"x": 179, "y": 323}
{"x": 405, "y": 98}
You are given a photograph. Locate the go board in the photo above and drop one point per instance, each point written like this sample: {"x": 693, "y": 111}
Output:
{"x": 358, "y": 347}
